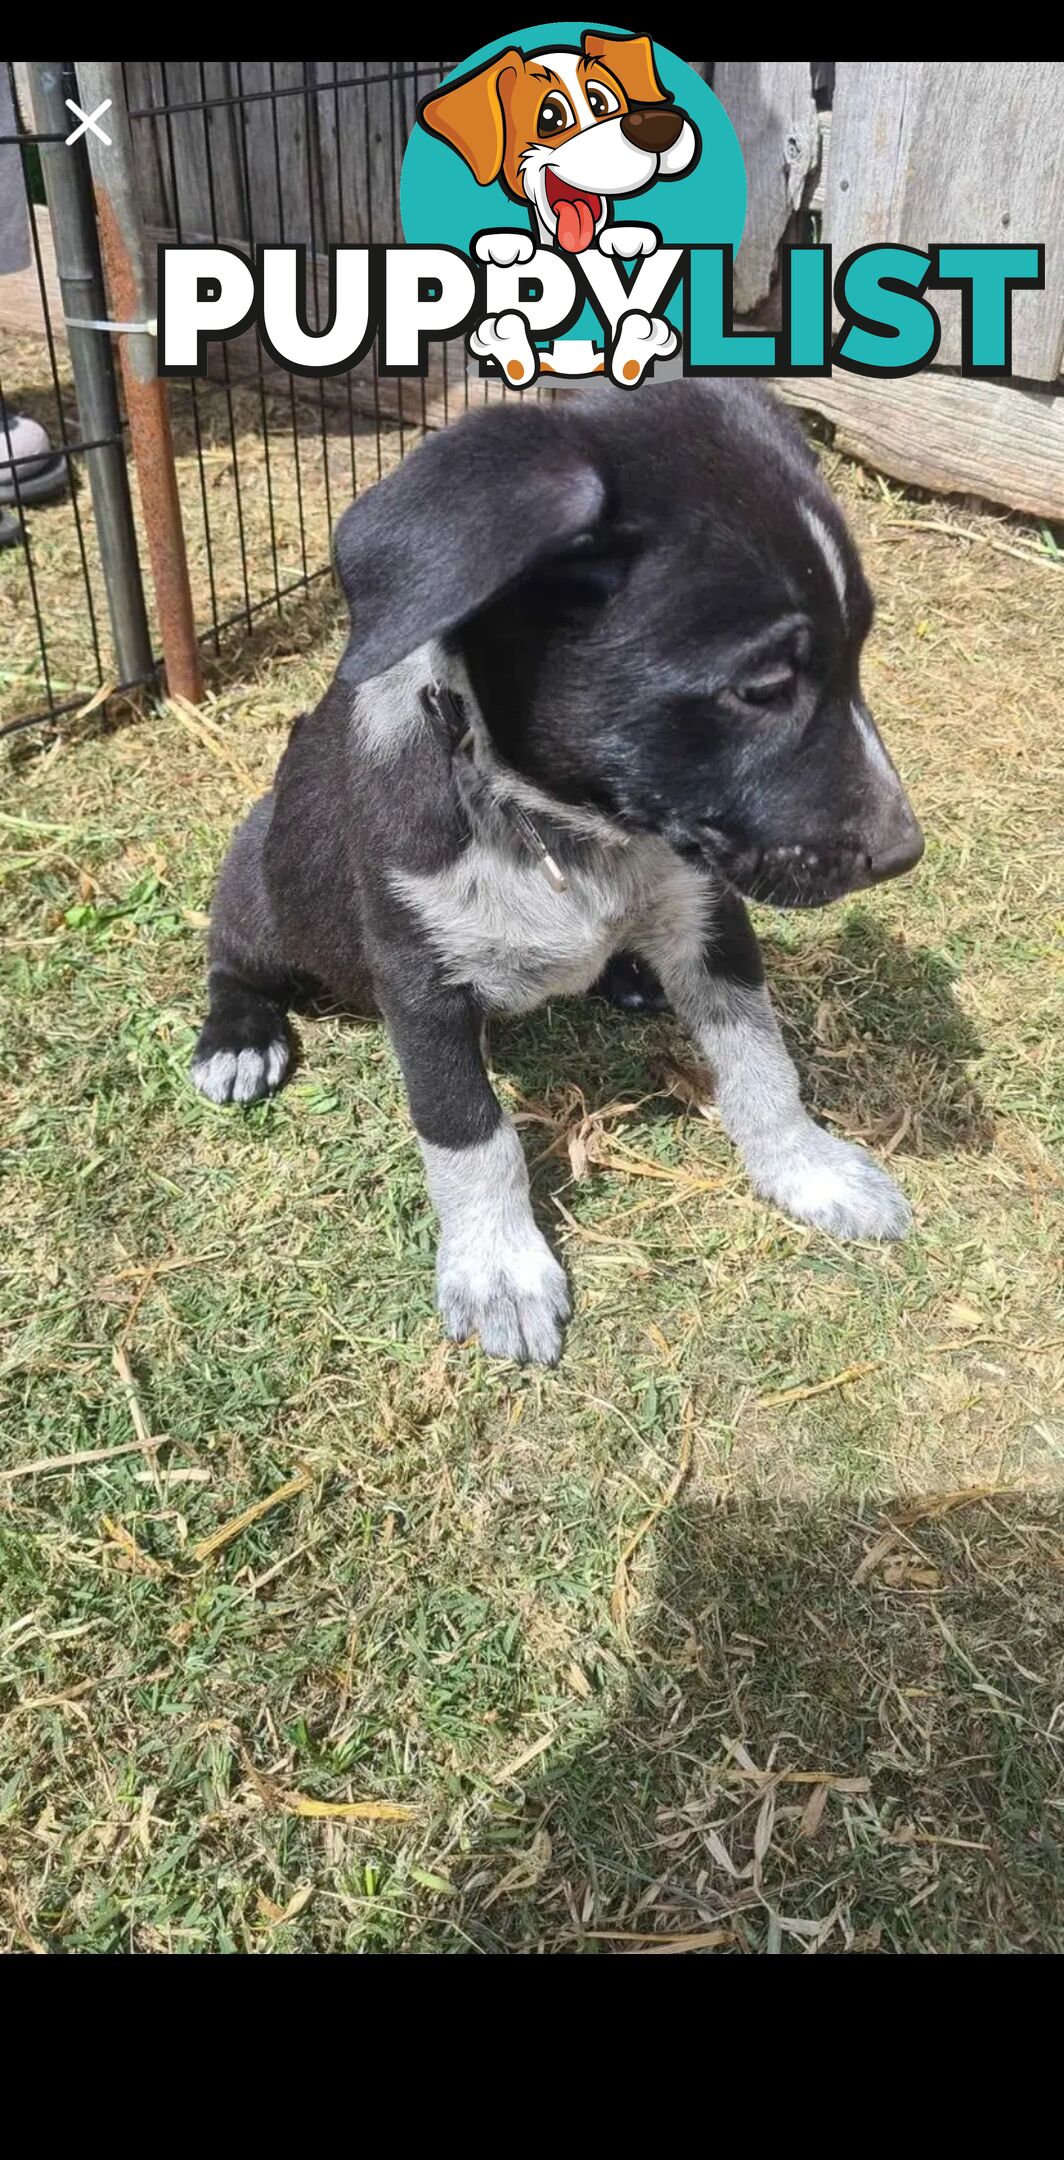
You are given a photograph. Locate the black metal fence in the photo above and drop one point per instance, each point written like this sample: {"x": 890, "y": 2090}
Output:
{"x": 240, "y": 151}
{"x": 244, "y": 151}
{"x": 274, "y": 151}
{"x": 57, "y": 595}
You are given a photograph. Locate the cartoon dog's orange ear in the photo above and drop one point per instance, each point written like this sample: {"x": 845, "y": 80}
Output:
{"x": 631, "y": 60}
{"x": 470, "y": 114}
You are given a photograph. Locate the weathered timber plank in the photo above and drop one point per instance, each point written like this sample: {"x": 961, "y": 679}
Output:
{"x": 770, "y": 105}
{"x": 957, "y": 436}
{"x": 961, "y": 151}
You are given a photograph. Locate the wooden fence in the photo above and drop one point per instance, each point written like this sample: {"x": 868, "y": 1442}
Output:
{"x": 915, "y": 152}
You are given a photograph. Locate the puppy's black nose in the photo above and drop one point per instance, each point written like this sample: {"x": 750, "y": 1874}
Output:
{"x": 900, "y": 853}
{"x": 655, "y": 129}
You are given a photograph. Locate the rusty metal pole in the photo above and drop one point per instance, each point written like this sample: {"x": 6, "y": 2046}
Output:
{"x": 132, "y": 301}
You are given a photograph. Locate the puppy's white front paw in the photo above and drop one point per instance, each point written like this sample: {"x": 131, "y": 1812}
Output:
{"x": 639, "y": 340}
{"x": 629, "y": 242}
{"x": 241, "y": 1075}
{"x": 504, "y": 249}
{"x": 836, "y": 1187}
{"x": 514, "y": 1296}
{"x": 505, "y": 339}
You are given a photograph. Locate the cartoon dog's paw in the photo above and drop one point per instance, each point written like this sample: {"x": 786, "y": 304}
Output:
{"x": 629, "y": 242}
{"x": 515, "y": 1298}
{"x": 640, "y": 339}
{"x": 505, "y": 339}
{"x": 504, "y": 249}
{"x": 836, "y": 1187}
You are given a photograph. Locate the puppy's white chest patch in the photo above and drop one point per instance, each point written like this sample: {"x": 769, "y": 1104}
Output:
{"x": 500, "y": 926}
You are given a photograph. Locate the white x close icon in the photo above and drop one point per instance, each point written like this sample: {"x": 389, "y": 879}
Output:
{"x": 88, "y": 120}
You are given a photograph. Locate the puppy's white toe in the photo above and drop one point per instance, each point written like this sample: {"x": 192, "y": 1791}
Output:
{"x": 276, "y": 1062}
{"x": 517, "y": 1301}
{"x": 249, "y": 1080}
{"x": 836, "y": 1187}
{"x": 241, "y": 1076}
{"x": 214, "y": 1076}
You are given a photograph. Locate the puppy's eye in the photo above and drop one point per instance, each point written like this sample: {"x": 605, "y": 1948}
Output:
{"x": 555, "y": 115}
{"x": 602, "y": 100}
{"x": 769, "y": 687}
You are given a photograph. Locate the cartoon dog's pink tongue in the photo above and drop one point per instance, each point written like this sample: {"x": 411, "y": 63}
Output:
{"x": 576, "y": 225}
{"x": 576, "y": 211}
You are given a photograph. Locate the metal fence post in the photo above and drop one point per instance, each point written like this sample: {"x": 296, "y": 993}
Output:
{"x": 69, "y": 190}
{"x": 132, "y": 299}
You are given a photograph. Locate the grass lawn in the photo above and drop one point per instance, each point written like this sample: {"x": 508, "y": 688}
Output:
{"x": 742, "y": 1630}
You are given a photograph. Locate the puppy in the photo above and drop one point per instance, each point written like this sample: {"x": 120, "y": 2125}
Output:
{"x": 565, "y": 132}
{"x": 601, "y": 681}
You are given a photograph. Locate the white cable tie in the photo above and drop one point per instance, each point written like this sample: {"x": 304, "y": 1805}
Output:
{"x": 81, "y": 322}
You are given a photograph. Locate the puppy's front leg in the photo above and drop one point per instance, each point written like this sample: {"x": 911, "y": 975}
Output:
{"x": 495, "y": 1274}
{"x": 717, "y": 986}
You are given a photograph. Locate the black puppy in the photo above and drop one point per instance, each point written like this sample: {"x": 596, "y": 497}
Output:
{"x": 602, "y": 677}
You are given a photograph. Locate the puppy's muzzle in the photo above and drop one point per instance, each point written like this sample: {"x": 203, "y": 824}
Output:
{"x": 797, "y": 875}
{"x": 655, "y": 130}
{"x": 899, "y": 853}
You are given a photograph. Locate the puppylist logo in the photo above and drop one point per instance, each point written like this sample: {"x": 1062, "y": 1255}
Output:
{"x": 572, "y": 200}
{"x": 576, "y": 165}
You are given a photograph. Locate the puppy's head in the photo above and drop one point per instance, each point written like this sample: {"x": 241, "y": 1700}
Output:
{"x": 566, "y": 131}
{"x": 662, "y": 614}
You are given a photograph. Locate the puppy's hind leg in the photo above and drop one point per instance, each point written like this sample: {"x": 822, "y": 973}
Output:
{"x": 243, "y": 1048}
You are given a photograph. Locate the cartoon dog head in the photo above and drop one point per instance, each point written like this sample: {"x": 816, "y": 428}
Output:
{"x": 566, "y": 131}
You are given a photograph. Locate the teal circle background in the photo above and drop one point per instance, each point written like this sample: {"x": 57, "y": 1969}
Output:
{"x": 441, "y": 204}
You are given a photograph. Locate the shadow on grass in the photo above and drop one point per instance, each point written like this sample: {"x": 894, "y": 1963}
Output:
{"x": 876, "y": 1024}
{"x": 901, "y": 1684}
{"x": 873, "y": 1022}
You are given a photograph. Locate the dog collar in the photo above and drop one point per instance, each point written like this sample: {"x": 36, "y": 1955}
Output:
{"x": 446, "y": 708}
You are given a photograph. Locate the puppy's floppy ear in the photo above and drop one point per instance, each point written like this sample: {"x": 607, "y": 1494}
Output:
{"x": 471, "y": 115}
{"x": 631, "y": 60}
{"x": 467, "y": 514}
